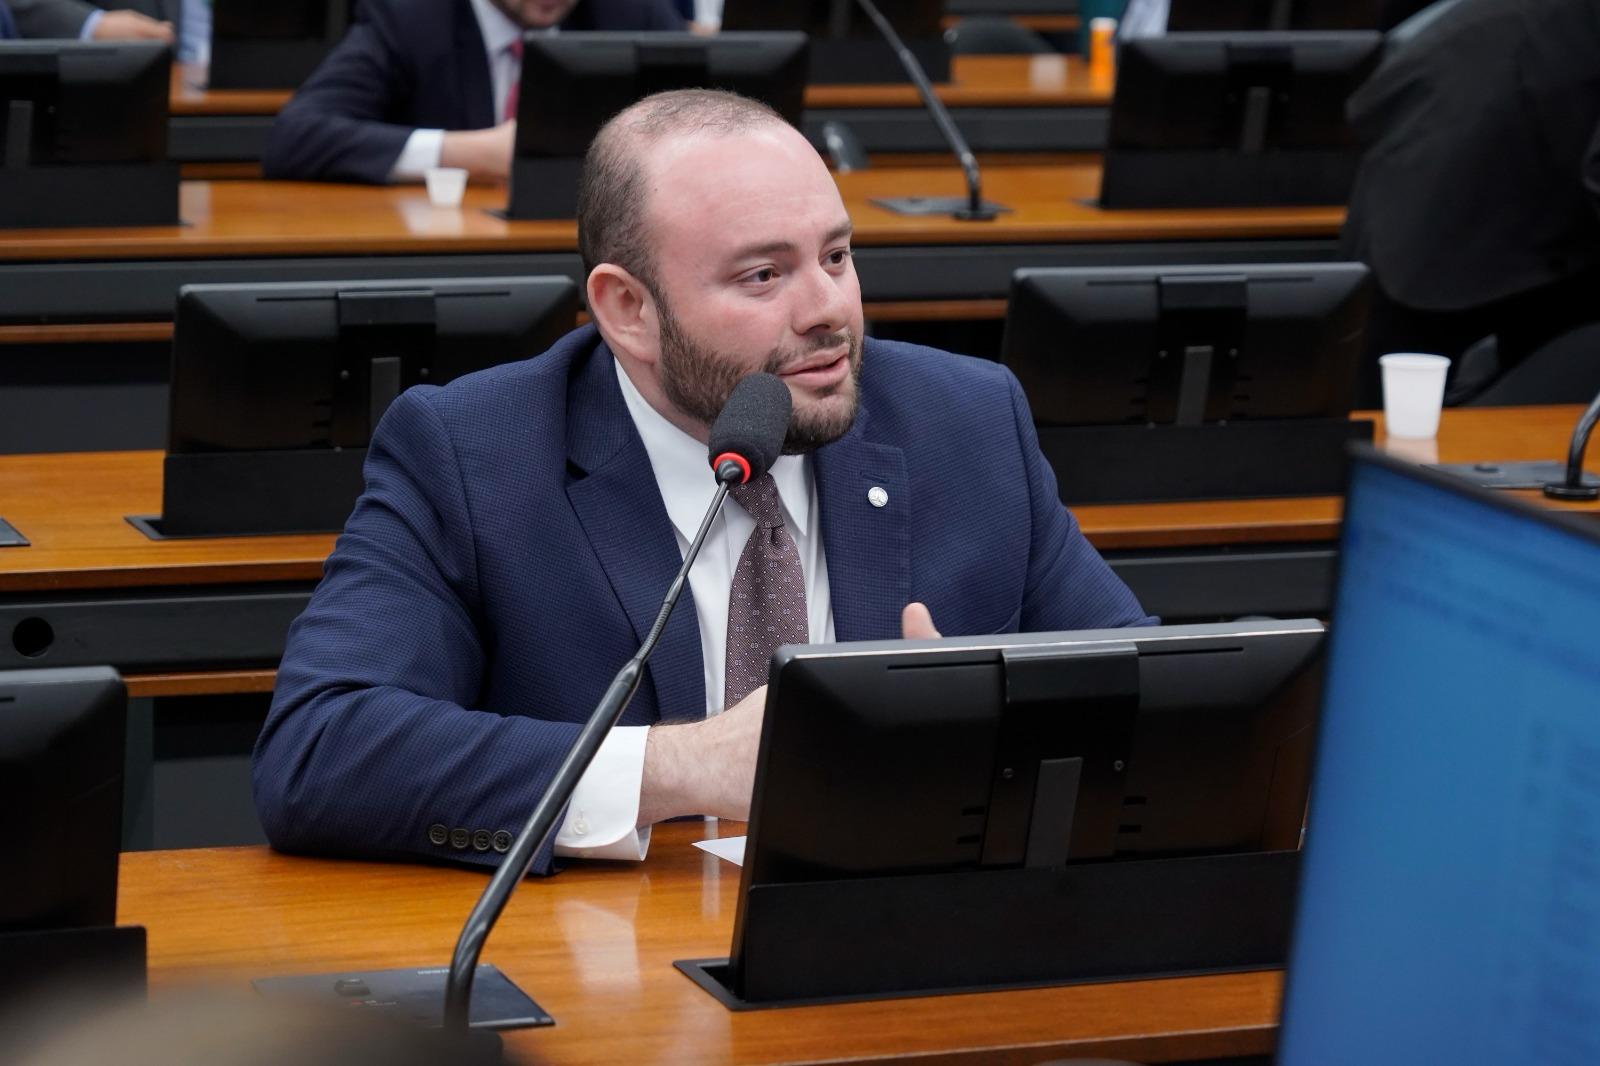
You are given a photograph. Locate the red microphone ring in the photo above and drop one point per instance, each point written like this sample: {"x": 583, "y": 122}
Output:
{"x": 734, "y": 457}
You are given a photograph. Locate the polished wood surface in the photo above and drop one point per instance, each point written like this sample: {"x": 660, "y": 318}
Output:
{"x": 595, "y": 946}
{"x": 262, "y": 218}
{"x": 975, "y": 81}
{"x": 72, "y": 508}
{"x": 199, "y": 683}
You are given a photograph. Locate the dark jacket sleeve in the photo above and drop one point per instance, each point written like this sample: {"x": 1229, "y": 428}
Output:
{"x": 371, "y": 742}
{"x": 337, "y": 125}
{"x": 61, "y": 19}
{"x": 1069, "y": 586}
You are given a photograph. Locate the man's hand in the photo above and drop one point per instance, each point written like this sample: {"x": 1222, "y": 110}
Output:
{"x": 709, "y": 767}
{"x": 704, "y": 767}
{"x": 131, "y": 26}
{"x": 484, "y": 154}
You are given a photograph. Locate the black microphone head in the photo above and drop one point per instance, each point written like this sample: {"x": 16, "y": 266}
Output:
{"x": 747, "y": 437}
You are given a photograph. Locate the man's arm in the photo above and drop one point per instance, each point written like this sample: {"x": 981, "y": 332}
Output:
{"x": 370, "y": 748}
{"x": 336, "y": 126}
{"x": 1069, "y": 585}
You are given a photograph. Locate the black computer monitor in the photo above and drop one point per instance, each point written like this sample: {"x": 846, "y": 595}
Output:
{"x": 256, "y": 45}
{"x": 276, "y": 388}
{"x": 1020, "y": 787}
{"x": 1235, "y": 120}
{"x": 83, "y": 135}
{"x": 1167, "y": 382}
{"x": 846, "y": 47}
{"x": 62, "y": 739}
{"x": 1449, "y": 900}
{"x": 1224, "y": 16}
{"x": 61, "y": 755}
{"x": 572, "y": 83}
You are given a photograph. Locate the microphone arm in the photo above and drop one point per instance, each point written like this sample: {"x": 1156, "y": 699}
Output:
{"x": 974, "y": 210}
{"x": 541, "y": 823}
{"x": 1573, "y": 488}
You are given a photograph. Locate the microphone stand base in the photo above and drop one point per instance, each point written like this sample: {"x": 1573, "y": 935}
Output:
{"x": 957, "y": 207}
{"x": 1560, "y": 490}
{"x": 416, "y": 995}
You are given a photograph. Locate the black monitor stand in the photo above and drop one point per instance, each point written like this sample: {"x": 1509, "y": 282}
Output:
{"x": 78, "y": 194}
{"x": 1041, "y": 921}
{"x": 1179, "y": 453}
{"x": 387, "y": 336}
{"x": 1257, "y": 174}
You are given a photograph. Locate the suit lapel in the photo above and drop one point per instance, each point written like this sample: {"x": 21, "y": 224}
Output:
{"x": 868, "y": 547}
{"x": 618, "y": 503}
{"x": 472, "y": 69}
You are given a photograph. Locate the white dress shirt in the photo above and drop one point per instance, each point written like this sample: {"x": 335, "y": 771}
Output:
{"x": 602, "y": 819}
{"x": 1144, "y": 18}
{"x": 499, "y": 32}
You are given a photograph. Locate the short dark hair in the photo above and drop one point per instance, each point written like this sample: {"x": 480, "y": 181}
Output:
{"x": 611, "y": 223}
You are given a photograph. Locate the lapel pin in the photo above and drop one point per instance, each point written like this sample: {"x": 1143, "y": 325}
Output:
{"x": 877, "y": 496}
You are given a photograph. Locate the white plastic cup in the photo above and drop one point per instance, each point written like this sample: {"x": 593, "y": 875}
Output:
{"x": 1413, "y": 393}
{"x": 446, "y": 185}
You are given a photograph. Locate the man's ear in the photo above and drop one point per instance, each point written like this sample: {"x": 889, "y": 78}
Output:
{"x": 625, "y": 310}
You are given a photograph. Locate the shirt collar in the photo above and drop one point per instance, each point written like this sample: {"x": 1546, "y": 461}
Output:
{"x": 683, "y": 472}
{"x": 498, "y": 28}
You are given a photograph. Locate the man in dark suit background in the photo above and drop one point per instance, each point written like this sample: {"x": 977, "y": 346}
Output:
{"x": 520, "y": 526}
{"x": 1476, "y": 201}
{"x": 131, "y": 20}
{"x": 417, "y": 84}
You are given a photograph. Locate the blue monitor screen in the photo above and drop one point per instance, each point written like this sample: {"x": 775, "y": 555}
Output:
{"x": 1450, "y": 897}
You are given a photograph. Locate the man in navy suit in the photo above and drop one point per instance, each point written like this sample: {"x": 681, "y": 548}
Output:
{"x": 417, "y": 84}
{"x": 521, "y": 525}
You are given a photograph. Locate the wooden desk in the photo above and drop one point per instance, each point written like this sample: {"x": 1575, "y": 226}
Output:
{"x": 283, "y": 231}
{"x": 1002, "y": 103}
{"x": 595, "y": 947}
{"x": 975, "y": 81}
{"x": 193, "y": 616}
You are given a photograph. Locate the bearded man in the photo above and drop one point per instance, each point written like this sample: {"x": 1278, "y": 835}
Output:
{"x": 521, "y": 525}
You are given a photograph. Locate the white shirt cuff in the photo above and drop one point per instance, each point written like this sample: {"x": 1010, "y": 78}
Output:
{"x": 420, "y": 155}
{"x": 86, "y": 31}
{"x": 603, "y": 818}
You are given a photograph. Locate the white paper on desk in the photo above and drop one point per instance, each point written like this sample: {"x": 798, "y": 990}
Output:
{"x": 729, "y": 849}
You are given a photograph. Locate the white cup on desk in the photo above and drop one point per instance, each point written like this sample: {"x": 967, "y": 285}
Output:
{"x": 446, "y": 185}
{"x": 1413, "y": 393}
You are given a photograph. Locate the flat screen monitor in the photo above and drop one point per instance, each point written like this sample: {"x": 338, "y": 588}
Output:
{"x": 846, "y": 47}
{"x": 276, "y": 388}
{"x": 1235, "y": 120}
{"x": 256, "y": 45}
{"x": 62, "y": 734}
{"x": 1170, "y": 383}
{"x": 1224, "y": 16}
{"x": 1186, "y": 345}
{"x": 79, "y": 121}
{"x": 974, "y": 756}
{"x": 1450, "y": 894}
{"x": 572, "y": 83}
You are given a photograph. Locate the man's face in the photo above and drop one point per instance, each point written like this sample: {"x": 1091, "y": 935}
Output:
{"x": 752, "y": 272}
{"x": 536, "y": 14}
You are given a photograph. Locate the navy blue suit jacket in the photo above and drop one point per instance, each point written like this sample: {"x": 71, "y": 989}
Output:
{"x": 8, "y": 28}
{"x": 512, "y": 549}
{"x": 407, "y": 65}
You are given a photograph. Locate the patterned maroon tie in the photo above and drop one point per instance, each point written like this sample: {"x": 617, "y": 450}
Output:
{"x": 515, "y": 91}
{"x": 767, "y": 604}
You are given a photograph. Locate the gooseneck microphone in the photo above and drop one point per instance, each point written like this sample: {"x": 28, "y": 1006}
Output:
{"x": 1572, "y": 487}
{"x": 745, "y": 440}
{"x": 972, "y": 208}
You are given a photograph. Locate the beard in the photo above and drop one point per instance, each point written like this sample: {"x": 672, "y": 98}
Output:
{"x": 697, "y": 380}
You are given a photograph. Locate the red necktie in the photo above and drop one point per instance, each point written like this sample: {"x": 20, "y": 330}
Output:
{"x": 512, "y": 94}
